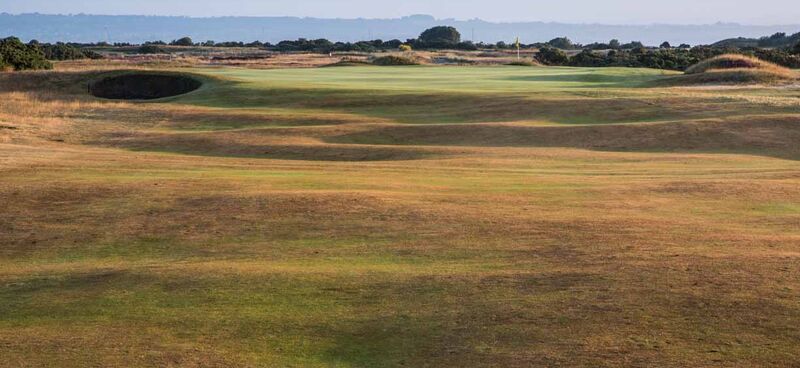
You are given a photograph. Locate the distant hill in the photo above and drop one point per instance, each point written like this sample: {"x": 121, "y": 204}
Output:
{"x": 776, "y": 40}
{"x": 136, "y": 29}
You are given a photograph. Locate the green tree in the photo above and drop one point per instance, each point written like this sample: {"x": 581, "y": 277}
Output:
{"x": 185, "y": 41}
{"x": 441, "y": 35}
{"x": 561, "y": 43}
{"x": 614, "y": 44}
{"x": 665, "y": 45}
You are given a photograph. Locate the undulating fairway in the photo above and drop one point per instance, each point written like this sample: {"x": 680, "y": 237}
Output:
{"x": 400, "y": 216}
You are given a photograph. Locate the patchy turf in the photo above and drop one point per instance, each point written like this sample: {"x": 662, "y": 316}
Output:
{"x": 413, "y": 216}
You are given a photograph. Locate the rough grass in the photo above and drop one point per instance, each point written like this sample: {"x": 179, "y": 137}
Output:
{"x": 733, "y": 69}
{"x": 734, "y": 61}
{"x": 154, "y": 234}
{"x": 394, "y": 60}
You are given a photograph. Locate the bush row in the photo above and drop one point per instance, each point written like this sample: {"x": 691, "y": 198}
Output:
{"x": 14, "y": 54}
{"x": 670, "y": 59}
{"x": 18, "y": 56}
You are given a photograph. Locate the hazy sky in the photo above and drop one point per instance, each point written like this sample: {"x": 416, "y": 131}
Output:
{"x": 581, "y": 11}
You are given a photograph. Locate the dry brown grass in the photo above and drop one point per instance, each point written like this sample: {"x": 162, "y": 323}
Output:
{"x": 770, "y": 135}
{"x": 733, "y": 69}
{"x": 735, "y": 61}
{"x": 510, "y": 245}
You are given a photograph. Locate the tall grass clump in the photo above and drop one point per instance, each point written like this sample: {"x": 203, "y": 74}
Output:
{"x": 394, "y": 60}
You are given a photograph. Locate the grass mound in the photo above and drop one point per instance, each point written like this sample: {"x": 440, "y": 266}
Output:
{"x": 143, "y": 86}
{"x": 734, "y": 76}
{"x": 394, "y": 60}
{"x": 730, "y": 61}
{"x": 347, "y": 62}
{"x": 733, "y": 69}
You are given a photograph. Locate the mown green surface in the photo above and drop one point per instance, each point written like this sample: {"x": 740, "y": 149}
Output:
{"x": 425, "y": 95}
{"x": 287, "y": 218}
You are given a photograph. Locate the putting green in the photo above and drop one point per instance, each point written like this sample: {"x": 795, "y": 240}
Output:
{"x": 432, "y": 95}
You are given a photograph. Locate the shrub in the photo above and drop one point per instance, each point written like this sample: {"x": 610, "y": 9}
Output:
{"x": 551, "y": 56}
{"x": 19, "y": 56}
{"x": 632, "y": 45}
{"x": 441, "y": 35}
{"x": 588, "y": 58}
{"x": 62, "y": 51}
{"x": 185, "y": 41}
{"x": 151, "y": 49}
{"x": 405, "y": 48}
{"x": 302, "y": 44}
{"x": 561, "y": 43}
{"x": 672, "y": 59}
{"x": 777, "y": 56}
{"x": 467, "y": 45}
{"x": 394, "y": 60}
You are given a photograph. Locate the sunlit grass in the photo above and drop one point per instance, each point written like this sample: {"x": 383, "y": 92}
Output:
{"x": 249, "y": 224}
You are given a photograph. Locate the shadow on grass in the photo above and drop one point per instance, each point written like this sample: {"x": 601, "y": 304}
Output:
{"x": 452, "y": 108}
{"x": 765, "y": 136}
{"x": 223, "y": 146}
{"x": 589, "y": 80}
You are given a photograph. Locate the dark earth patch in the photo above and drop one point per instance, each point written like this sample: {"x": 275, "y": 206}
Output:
{"x": 143, "y": 86}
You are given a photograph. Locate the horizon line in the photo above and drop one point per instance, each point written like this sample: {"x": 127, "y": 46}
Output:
{"x": 476, "y": 19}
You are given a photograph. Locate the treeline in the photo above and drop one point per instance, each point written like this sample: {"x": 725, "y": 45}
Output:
{"x": 780, "y": 39}
{"x": 661, "y": 58}
{"x": 777, "y": 40}
{"x": 19, "y": 56}
{"x": 322, "y": 45}
{"x": 14, "y": 54}
{"x": 434, "y": 38}
{"x": 779, "y": 48}
{"x": 63, "y": 51}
